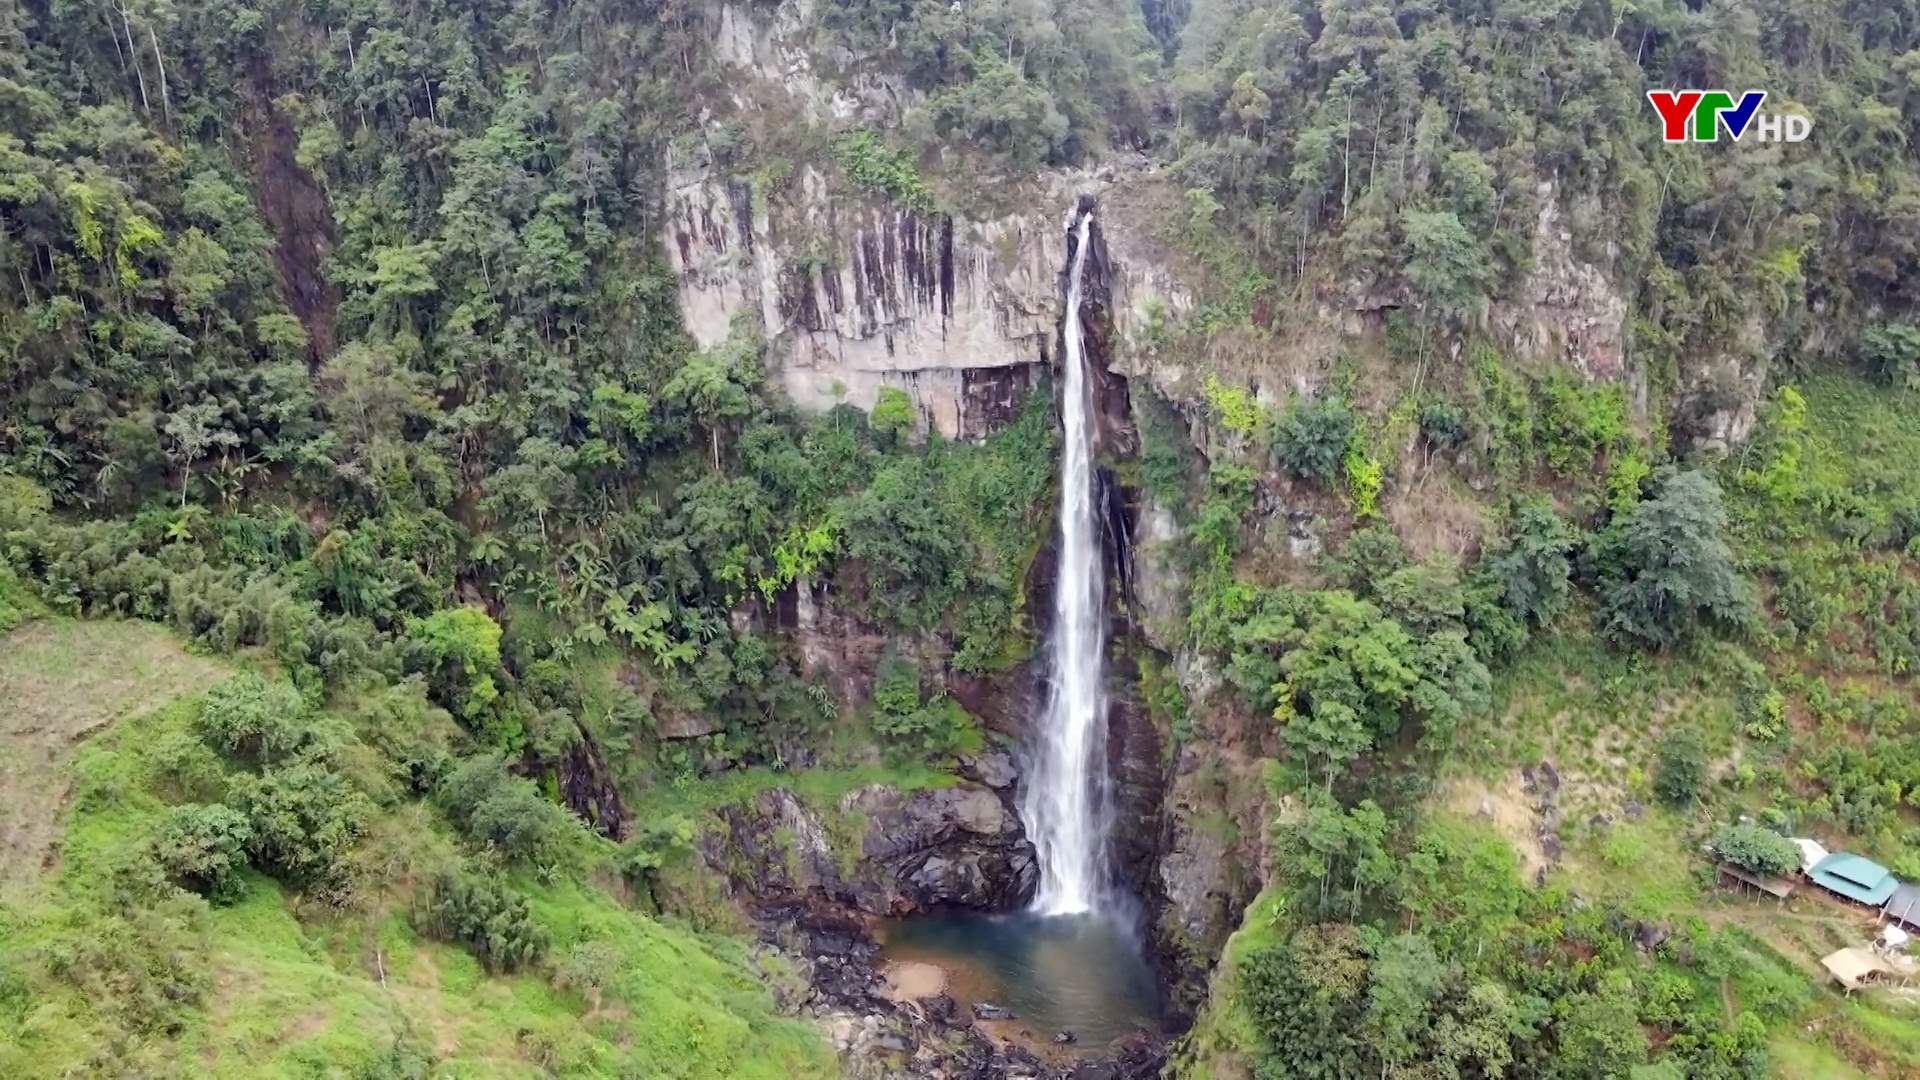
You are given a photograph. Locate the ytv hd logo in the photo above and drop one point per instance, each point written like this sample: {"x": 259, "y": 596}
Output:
{"x": 1697, "y": 115}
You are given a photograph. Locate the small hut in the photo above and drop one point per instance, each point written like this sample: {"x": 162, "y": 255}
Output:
{"x": 1855, "y": 968}
{"x": 1811, "y": 852}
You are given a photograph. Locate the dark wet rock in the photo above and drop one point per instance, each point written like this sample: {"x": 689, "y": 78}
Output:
{"x": 960, "y": 846}
{"x": 1549, "y": 778}
{"x": 1551, "y": 847}
{"x": 1139, "y": 1056}
{"x": 986, "y": 1011}
{"x": 893, "y": 1042}
{"x": 941, "y": 1009}
{"x": 1649, "y": 935}
{"x": 1065, "y": 1037}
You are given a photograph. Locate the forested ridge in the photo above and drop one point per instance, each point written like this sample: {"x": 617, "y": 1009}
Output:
{"x": 340, "y": 339}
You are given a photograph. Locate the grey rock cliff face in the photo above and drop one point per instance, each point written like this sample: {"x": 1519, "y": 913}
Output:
{"x": 854, "y": 293}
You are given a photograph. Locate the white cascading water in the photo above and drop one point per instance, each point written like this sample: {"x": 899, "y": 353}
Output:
{"x": 1065, "y": 801}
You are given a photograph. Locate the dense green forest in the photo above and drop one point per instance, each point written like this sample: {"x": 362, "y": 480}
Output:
{"x": 340, "y": 340}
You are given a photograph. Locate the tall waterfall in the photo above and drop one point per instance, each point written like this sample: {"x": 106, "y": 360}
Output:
{"x": 1065, "y": 805}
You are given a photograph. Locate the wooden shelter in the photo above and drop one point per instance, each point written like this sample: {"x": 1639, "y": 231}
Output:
{"x": 1742, "y": 878}
{"x": 1855, "y": 968}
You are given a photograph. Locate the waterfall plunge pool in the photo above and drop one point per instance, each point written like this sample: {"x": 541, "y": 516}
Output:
{"x": 1086, "y": 974}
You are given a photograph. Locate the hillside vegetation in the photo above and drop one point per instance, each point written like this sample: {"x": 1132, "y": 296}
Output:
{"x": 115, "y": 964}
{"x": 339, "y": 341}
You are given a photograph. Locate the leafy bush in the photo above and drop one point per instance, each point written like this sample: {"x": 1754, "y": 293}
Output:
{"x": 907, "y": 540}
{"x": 487, "y": 917}
{"x": 936, "y": 727}
{"x": 1891, "y": 350}
{"x": 1443, "y": 424}
{"x": 872, "y": 164}
{"x": 493, "y": 807}
{"x": 892, "y": 417}
{"x": 1532, "y": 567}
{"x": 940, "y": 727}
{"x": 14, "y": 601}
{"x": 1667, "y": 567}
{"x": 464, "y": 646}
{"x": 1680, "y": 766}
{"x": 203, "y": 848}
{"x": 1307, "y": 996}
{"x": 1233, "y": 406}
{"x": 1312, "y": 437}
{"x": 304, "y": 819}
{"x": 253, "y": 719}
{"x": 896, "y": 686}
{"x": 1762, "y": 851}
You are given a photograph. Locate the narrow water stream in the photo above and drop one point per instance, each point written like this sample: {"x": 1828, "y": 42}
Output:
{"x": 1084, "y": 974}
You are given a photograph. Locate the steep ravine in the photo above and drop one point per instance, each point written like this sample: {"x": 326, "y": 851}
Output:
{"x": 812, "y": 875}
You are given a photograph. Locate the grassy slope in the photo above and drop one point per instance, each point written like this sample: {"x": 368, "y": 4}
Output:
{"x": 60, "y": 681}
{"x": 274, "y": 989}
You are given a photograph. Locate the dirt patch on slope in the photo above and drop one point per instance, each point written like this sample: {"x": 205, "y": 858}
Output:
{"x": 296, "y": 210}
{"x": 61, "y": 681}
{"x": 1511, "y": 813}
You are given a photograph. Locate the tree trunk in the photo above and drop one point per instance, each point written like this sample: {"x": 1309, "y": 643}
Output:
{"x": 134, "y": 54}
{"x": 166, "y": 105}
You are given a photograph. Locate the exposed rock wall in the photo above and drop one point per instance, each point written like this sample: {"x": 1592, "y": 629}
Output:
{"x": 1567, "y": 309}
{"x": 853, "y": 292}
{"x": 880, "y": 851}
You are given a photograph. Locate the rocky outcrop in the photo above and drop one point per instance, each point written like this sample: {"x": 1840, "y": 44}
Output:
{"x": 1567, "y": 309}
{"x": 881, "y": 851}
{"x": 853, "y": 292}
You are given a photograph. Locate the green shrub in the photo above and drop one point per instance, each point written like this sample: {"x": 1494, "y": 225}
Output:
{"x": 304, "y": 819}
{"x": 908, "y": 540}
{"x": 938, "y": 728}
{"x": 486, "y": 916}
{"x": 874, "y": 165}
{"x": 1891, "y": 351}
{"x": 463, "y": 644}
{"x": 204, "y": 848}
{"x": 1312, "y": 439}
{"x": 1667, "y": 568}
{"x": 253, "y": 719}
{"x": 1680, "y": 766}
{"x": 1762, "y": 851}
{"x": 892, "y": 417}
{"x": 492, "y": 807}
{"x": 1443, "y": 424}
{"x": 1531, "y": 564}
{"x": 1234, "y": 406}
{"x": 15, "y": 604}
{"x": 896, "y": 686}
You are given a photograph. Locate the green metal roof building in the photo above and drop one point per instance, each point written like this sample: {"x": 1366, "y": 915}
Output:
{"x": 1855, "y": 877}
